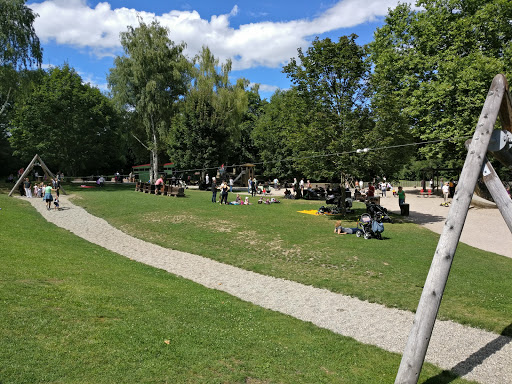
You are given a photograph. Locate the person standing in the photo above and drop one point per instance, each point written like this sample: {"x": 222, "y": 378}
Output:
{"x": 207, "y": 179}
{"x": 371, "y": 190}
{"x": 432, "y": 185}
{"x": 446, "y": 192}
{"x": 214, "y": 190}
{"x": 401, "y": 196}
{"x": 253, "y": 187}
{"x": 27, "y": 185}
{"x": 224, "y": 188}
{"x": 383, "y": 188}
{"x": 249, "y": 184}
{"x": 56, "y": 184}
{"x": 301, "y": 184}
{"x": 231, "y": 183}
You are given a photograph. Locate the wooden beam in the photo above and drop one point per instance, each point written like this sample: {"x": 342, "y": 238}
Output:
{"x": 498, "y": 192}
{"x": 428, "y": 307}
{"x": 506, "y": 110}
{"x": 46, "y": 169}
{"x": 24, "y": 174}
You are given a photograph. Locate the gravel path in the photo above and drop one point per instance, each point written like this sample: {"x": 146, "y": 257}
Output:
{"x": 472, "y": 353}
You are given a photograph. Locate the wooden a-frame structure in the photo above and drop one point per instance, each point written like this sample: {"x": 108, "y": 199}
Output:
{"x": 485, "y": 138}
{"x": 35, "y": 161}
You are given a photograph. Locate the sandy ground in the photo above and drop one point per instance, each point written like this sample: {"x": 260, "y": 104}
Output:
{"x": 484, "y": 228}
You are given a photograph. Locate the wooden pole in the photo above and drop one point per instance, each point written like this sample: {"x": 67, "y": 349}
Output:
{"x": 498, "y": 192}
{"x": 25, "y": 173}
{"x": 47, "y": 170}
{"x": 428, "y": 307}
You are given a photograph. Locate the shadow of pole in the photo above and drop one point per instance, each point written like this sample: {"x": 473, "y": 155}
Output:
{"x": 474, "y": 360}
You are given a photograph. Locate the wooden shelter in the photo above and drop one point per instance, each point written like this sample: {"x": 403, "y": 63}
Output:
{"x": 35, "y": 161}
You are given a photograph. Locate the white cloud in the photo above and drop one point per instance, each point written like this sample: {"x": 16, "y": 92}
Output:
{"x": 267, "y": 44}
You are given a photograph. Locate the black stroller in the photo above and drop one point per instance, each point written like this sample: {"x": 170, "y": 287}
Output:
{"x": 368, "y": 227}
{"x": 379, "y": 213}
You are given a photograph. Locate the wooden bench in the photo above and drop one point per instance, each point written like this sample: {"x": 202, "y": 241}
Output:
{"x": 175, "y": 191}
{"x": 149, "y": 188}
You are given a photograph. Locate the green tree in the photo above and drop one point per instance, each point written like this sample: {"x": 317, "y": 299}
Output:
{"x": 245, "y": 150}
{"x": 433, "y": 68}
{"x": 330, "y": 77}
{"x": 19, "y": 50}
{"x": 71, "y": 125}
{"x": 207, "y": 129}
{"x": 149, "y": 80}
{"x": 19, "y": 44}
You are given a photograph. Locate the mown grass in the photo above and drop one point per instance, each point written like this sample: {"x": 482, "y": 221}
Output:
{"x": 277, "y": 240}
{"x": 73, "y": 312}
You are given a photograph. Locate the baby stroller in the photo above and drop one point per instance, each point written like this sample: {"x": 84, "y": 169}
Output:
{"x": 368, "y": 227}
{"x": 379, "y": 213}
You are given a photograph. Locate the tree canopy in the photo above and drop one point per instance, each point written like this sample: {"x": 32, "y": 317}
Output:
{"x": 149, "y": 80}
{"x": 433, "y": 67}
{"x": 71, "y": 125}
{"x": 207, "y": 127}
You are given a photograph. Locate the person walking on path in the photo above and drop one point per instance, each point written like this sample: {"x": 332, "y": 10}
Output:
{"x": 401, "y": 196}
{"x": 383, "y": 187}
{"x": 214, "y": 190}
{"x": 48, "y": 196}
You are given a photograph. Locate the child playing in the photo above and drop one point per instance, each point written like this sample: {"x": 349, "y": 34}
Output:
{"x": 56, "y": 203}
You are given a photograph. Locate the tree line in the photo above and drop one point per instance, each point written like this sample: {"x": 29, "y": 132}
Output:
{"x": 411, "y": 96}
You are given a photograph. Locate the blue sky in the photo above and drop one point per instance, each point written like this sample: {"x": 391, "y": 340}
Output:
{"x": 259, "y": 36}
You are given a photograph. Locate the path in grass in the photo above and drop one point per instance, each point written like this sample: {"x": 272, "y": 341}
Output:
{"x": 471, "y": 353}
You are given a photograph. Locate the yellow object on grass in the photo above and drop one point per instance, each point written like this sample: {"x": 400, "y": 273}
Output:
{"x": 309, "y": 212}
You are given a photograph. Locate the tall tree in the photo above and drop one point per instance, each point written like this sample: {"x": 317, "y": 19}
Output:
{"x": 149, "y": 80}
{"x": 331, "y": 78}
{"x": 19, "y": 44}
{"x": 206, "y": 131}
{"x": 71, "y": 125}
{"x": 433, "y": 67}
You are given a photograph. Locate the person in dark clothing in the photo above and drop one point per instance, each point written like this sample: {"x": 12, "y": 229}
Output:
{"x": 253, "y": 187}
{"x": 214, "y": 190}
{"x": 224, "y": 188}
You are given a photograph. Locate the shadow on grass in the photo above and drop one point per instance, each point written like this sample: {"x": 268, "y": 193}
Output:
{"x": 476, "y": 359}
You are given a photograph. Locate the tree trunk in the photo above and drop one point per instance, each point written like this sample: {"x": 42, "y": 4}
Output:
{"x": 153, "y": 174}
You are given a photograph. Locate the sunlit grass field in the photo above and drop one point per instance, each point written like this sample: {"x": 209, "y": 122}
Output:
{"x": 279, "y": 241}
{"x": 73, "y": 312}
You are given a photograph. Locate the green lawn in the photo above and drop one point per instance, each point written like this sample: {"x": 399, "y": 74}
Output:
{"x": 277, "y": 240}
{"x": 73, "y": 312}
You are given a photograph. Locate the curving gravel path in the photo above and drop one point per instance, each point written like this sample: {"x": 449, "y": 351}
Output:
{"x": 471, "y": 353}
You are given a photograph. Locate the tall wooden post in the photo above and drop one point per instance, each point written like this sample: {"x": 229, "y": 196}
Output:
{"x": 428, "y": 307}
{"x": 498, "y": 192}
